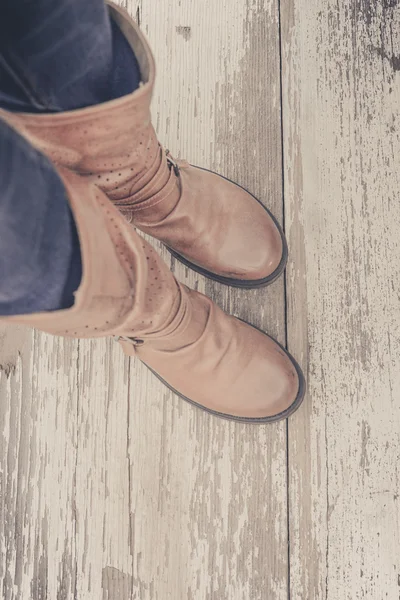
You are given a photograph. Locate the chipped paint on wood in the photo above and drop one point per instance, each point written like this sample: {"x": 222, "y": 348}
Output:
{"x": 37, "y": 470}
{"x": 102, "y": 473}
{"x": 12, "y": 341}
{"x": 341, "y": 108}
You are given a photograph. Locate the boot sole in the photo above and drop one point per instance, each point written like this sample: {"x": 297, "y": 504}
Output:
{"x": 239, "y": 283}
{"x": 255, "y": 420}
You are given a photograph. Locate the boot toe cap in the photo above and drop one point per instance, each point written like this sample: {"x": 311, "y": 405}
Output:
{"x": 263, "y": 252}
{"x": 275, "y": 391}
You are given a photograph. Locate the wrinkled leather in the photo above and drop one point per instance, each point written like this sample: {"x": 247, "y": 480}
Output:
{"x": 214, "y": 360}
{"x": 203, "y": 217}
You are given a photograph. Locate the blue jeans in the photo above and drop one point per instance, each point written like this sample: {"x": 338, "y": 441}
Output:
{"x": 40, "y": 262}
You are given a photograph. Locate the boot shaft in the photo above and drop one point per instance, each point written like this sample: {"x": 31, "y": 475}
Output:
{"x": 114, "y": 143}
{"x": 126, "y": 288}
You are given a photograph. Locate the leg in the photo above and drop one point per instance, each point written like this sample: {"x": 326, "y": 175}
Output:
{"x": 212, "y": 360}
{"x": 211, "y": 224}
{"x": 40, "y": 263}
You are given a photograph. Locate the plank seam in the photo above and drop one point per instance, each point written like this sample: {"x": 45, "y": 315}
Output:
{"x": 78, "y": 405}
{"x": 284, "y": 291}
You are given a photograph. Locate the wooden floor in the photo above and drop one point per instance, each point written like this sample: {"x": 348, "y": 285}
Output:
{"x": 111, "y": 488}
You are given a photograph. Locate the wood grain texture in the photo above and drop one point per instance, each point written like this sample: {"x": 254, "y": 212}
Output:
{"x": 209, "y": 498}
{"x": 341, "y": 108}
{"x": 102, "y": 473}
{"x": 38, "y": 442}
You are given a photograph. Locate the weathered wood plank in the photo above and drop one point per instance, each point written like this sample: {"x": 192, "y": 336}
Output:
{"x": 38, "y": 402}
{"x": 102, "y": 474}
{"x": 341, "y": 109}
{"x": 209, "y": 498}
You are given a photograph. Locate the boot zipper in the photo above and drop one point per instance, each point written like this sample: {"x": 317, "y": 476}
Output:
{"x": 173, "y": 164}
{"x": 133, "y": 341}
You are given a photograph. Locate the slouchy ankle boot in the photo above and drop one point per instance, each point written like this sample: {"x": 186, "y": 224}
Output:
{"x": 210, "y": 359}
{"x": 211, "y": 224}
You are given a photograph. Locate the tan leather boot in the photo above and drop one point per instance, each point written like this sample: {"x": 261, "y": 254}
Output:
{"x": 210, "y": 359}
{"x": 209, "y": 223}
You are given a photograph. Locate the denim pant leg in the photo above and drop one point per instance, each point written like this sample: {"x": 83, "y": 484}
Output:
{"x": 58, "y": 55}
{"x": 40, "y": 262}
{"x": 55, "y": 55}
